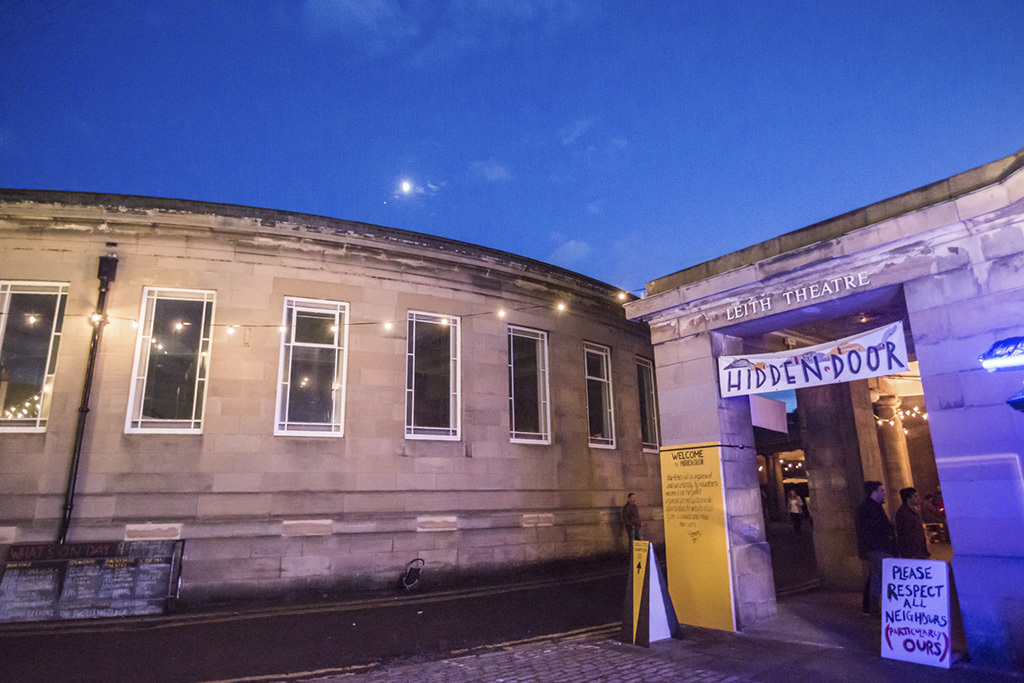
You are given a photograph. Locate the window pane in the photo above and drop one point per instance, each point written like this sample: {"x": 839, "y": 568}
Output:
{"x": 596, "y": 409}
{"x": 432, "y": 375}
{"x": 526, "y": 403}
{"x": 174, "y": 355}
{"x": 648, "y": 406}
{"x": 314, "y": 328}
{"x": 26, "y": 344}
{"x": 311, "y": 393}
{"x": 599, "y": 396}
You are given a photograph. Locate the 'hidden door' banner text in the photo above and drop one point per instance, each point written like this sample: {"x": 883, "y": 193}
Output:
{"x": 875, "y": 353}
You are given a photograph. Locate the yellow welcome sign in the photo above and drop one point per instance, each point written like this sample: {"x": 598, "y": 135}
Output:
{"x": 696, "y": 540}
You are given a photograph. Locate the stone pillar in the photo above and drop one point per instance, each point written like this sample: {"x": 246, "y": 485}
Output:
{"x": 892, "y": 442}
{"x": 841, "y": 451}
{"x": 778, "y": 489}
{"x": 691, "y": 411}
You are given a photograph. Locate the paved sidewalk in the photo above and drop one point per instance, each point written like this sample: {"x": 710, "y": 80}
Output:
{"x": 817, "y": 636}
{"x": 704, "y": 656}
{"x": 563, "y": 662}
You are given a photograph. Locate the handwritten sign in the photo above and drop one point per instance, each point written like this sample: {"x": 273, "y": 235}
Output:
{"x": 48, "y": 581}
{"x": 696, "y": 542}
{"x": 874, "y": 353}
{"x": 915, "y": 611}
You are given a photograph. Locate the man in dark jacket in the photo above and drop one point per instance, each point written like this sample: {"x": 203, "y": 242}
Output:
{"x": 631, "y": 518}
{"x": 875, "y": 542}
{"x": 910, "y": 539}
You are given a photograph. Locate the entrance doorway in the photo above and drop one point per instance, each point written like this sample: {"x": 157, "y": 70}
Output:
{"x": 836, "y": 437}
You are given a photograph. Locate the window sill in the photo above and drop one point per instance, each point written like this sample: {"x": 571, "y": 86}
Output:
{"x": 531, "y": 442}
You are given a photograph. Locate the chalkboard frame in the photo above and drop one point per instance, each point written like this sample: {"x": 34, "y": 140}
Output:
{"x": 53, "y": 581}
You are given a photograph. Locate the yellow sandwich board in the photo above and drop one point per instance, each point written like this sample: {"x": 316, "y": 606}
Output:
{"x": 639, "y": 571}
{"x": 696, "y": 540}
{"x": 648, "y": 615}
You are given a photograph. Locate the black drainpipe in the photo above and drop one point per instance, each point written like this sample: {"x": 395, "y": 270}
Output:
{"x": 107, "y": 272}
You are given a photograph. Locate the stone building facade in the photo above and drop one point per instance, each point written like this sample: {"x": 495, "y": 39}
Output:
{"x": 309, "y": 402}
{"x": 948, "y": 260}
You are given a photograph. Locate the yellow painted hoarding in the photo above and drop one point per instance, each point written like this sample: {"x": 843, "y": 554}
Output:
{"x": 696, "y": 542}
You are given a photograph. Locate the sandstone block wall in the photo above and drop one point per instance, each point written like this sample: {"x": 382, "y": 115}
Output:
{"x": 264, "y": 514}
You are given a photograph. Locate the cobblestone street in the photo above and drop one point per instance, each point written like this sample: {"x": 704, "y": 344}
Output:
{"x": 589, "y": 661}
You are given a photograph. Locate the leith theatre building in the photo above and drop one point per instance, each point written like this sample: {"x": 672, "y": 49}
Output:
{"x": 903, "y": 323}
{"x": 297, "y": 404}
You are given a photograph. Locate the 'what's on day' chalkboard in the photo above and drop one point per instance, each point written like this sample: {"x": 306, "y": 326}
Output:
{"x": 915, "y": 611}
{"x": 43, "y": 581}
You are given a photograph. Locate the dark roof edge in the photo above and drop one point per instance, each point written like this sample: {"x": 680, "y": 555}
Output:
{"x": 137, "y": 202}
{"x": 914, "y": 200}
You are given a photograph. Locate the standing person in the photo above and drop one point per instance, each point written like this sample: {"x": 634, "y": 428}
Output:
{"x": 929, "y": 513}
{"x": 631, "y": 518}
{"x": 910, "y": 540}
{"x": 795, "y": 504}
{"x": 875, "y": 541}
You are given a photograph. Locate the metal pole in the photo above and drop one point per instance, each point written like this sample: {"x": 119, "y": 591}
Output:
{"x": 107, "y": 272}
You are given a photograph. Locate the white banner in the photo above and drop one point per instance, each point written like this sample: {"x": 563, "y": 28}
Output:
{"x": 875, "y": 353}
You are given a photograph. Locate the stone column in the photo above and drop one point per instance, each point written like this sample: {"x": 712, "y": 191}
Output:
{"x": 841, "y": 451}
{"x": 892, "y": 442}
{"x": 691, "y": 411}
{"x": 778, "y": 489}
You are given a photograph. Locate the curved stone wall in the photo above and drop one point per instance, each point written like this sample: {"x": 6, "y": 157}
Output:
{"x": 265, "y": 512}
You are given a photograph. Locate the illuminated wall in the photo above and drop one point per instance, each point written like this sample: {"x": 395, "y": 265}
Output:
{"x": 368, "y": 468}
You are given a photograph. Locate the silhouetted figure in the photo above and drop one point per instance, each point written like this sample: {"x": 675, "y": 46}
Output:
{"x": 910, "y": 539}
{"x": 875, "y": 542}
{"x": 795, "y": 505}
{"x": 631, "y": 518}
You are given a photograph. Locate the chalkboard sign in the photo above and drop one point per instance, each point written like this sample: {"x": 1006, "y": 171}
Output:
{"x": 45, "y": 581}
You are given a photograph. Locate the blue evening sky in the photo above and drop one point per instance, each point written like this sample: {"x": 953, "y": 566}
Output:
{"x": 624, "y": 140}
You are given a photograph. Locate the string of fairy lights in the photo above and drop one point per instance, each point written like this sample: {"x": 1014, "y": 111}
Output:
{"x": 230, "y": 328}
{"x": 914, "y": 413}
{"x": 30, "y": 409}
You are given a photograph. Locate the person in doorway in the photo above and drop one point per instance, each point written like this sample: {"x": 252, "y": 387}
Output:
{"x": 795, "y": 505}
{"x": 875, "y": 542}
{"x": 631, "y": 518}
{"x": 910, "y": 540}
{"x": 929, "y": 513}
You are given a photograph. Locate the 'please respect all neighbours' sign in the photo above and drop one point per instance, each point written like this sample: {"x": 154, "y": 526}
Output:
{"x": 875, "y": 353}
{"x": 915, "y": 611}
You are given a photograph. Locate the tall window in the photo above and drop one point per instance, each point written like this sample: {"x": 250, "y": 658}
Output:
{"x": 528, "y": 410}
{"x": 31, "y": 317}
{"x": 648, "y": 403}
{"x": 599, "y": 396}
{"x": 432, "y": 377}
{"x": 172, "y": 360}
{"x": 311, "y": 384}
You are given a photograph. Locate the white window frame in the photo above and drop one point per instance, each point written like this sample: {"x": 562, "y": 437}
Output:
{"x": 605, "y": 353}
{"x": 60, "y": 290}
{"x": 543, "y": 437}
{"x": 652, "y": 404}
{"x": 293, "y": 306}
{"x": 135, "y": 423}
{"x": 454, "y": 430}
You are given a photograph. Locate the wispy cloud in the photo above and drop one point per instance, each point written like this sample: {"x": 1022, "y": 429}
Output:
{"x": 570, "y": 254}
{"x": 379, "y": 26}
{"x": 431, "y": 32}
{"x": 490, "y": 171}
{"x": 571, "y": 133}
